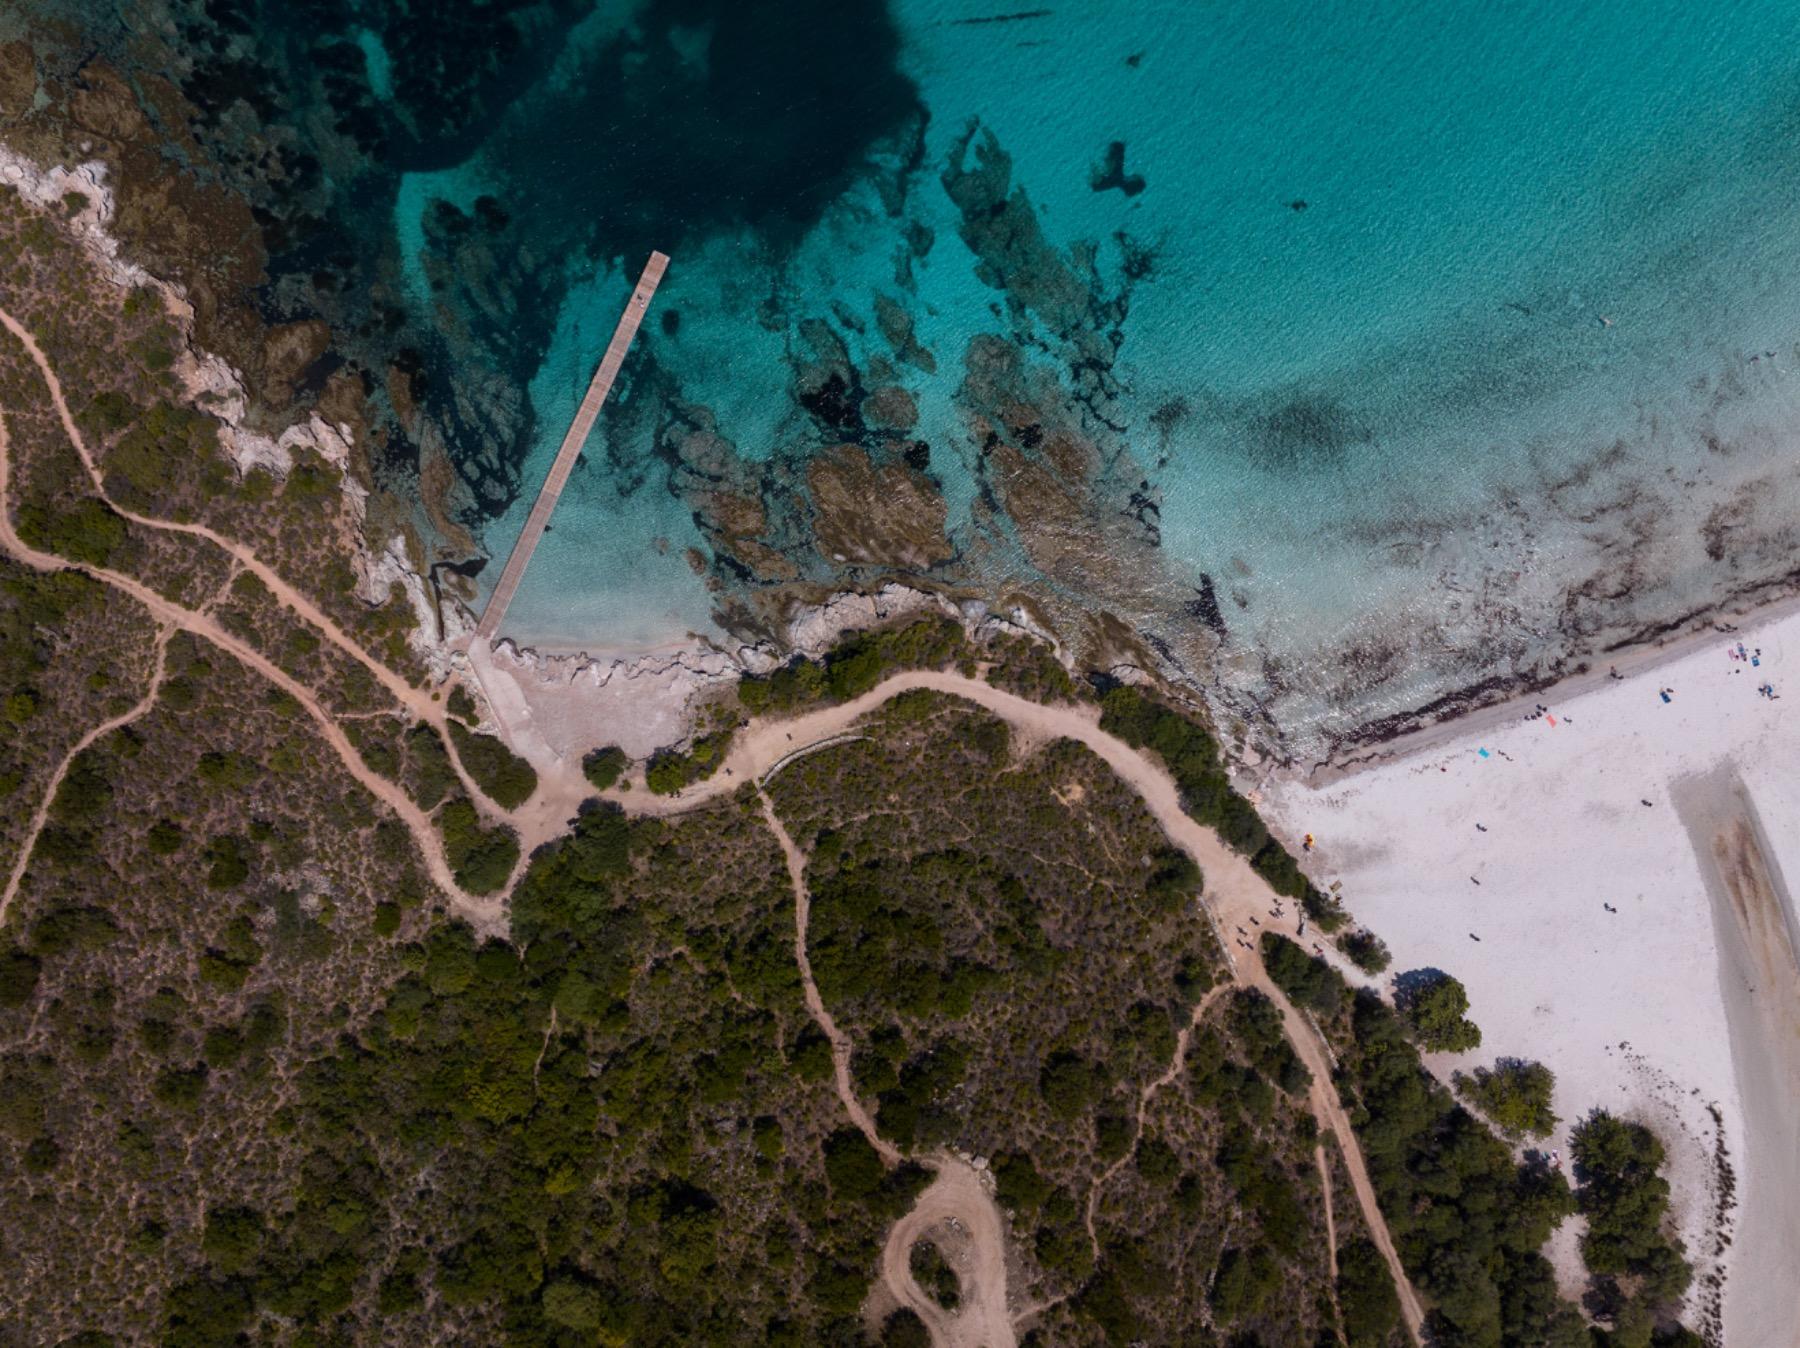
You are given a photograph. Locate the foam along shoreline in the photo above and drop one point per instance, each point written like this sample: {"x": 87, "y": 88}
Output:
{"x": 1759, "y": 980}
{"x": 1580, "y": 917}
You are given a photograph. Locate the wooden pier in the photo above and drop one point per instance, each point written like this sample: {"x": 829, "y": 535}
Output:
{"x": 585, "y": 416}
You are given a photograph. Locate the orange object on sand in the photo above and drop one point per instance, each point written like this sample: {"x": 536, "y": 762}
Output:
{"x": 1548, "y": 717}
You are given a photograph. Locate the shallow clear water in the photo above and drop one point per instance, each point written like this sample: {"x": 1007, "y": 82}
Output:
{"x": 1390, "y": 428}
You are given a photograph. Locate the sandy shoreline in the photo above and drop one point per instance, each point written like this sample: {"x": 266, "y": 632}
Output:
{"x": 1582, "y": 920}
{"x": 1627, "y": 662}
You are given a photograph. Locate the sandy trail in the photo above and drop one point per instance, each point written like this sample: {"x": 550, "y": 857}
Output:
{"x": 841, "y": 1047}
{"x": 1324, "y": 1164}
{"x": 419, "y": 702}
{"x": 488, "y": 914}
{"x": 1759, "y": 980}
{"x": 1177, "y": 1060}
{"x": 957, "y": 1199}
{"x": 1235, "y": 893}
{"x": 41, "y": 815}
{"x": 1233, "y": 890}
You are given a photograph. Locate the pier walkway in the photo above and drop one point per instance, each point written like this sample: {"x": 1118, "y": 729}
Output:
{"x": 585, "y": 415}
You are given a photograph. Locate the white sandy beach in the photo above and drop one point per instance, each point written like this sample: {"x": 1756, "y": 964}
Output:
{"x": 1634, "y": 1010}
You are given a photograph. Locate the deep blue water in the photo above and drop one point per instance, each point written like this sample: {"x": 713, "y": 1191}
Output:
{"x": 1354, "y": 354}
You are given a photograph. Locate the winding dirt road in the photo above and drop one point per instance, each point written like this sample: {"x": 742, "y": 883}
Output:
{"x": 841, "y": 1047}
{"x": 416, "y": 700}
{"x": 958, "y": 1210}
{"x": 41, "y": 815}
{"x": 1237, "y": 895}
{"x": 487, "y": 913}
{"x": 1234, "y": 892}
{"x": 956, "y": 1203}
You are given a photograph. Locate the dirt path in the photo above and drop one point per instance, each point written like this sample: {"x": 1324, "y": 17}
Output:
{"x": 956, "y": 1206}
{"x": 1233, "y": 891}
{"x": 841, "y": 1047}
{"x": 1236, "y": 895}
{"x": 419, "y": 702}
{"x": 41, "y": 815}
{"x": 488, "y": 914}
{"x": 956, "y": 1201}
{"x": 1324, "y": 1163}
{"x": 1177, "y": 1060}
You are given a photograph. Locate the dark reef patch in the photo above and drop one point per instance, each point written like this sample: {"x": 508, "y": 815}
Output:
{"x": 1110, "y": 173}
{"x": 1304, "y": 432}
{"x": 261, "y": 152}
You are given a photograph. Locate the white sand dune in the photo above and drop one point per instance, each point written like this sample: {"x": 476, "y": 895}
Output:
{"x": 1635, "y": 1010}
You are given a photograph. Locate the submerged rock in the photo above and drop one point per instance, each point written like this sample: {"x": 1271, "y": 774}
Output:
{"x": 887, "y": 516}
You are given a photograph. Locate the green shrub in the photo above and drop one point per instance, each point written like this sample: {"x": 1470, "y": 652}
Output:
{"x": 180, "y": 1088}
{"x": 671, "y": 771}
{"x": 1515, "y": 1096}
{"x": 1436, "y": 1007}
{"x": 1366, "y": 1296}
{"x": 232, "y": 1238}
{"x": 1069, "y": 1084}
{"x": 573, "y": 1304}
{"x": 508, "y": 779}
{"x": 1306, "y": 980}
{"x": 91, "y": 532}
{"x": 934, "y": 1275}
{"x": 602, "y": 767}
{"x": 430, "y": 777}
{"x": 461, "y": 705}
{"x": 68, "y": 928}
{"x": 904, "y": 1329}
{"x": 18, "y": 977}
{"x": 1243, "y": 1282}
{"x": 1365, "y": 950}
{"x": 481, "y": 859}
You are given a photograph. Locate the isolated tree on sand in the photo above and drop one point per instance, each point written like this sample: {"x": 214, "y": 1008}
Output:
{"x": 1436, "y": 1008}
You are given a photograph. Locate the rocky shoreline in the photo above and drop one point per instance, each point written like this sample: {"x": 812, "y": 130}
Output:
{"x": 656, "y": 693}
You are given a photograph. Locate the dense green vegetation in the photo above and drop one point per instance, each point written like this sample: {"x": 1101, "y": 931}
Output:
{"x": 933, "y": 1273}
{"x": 1467, "y": 1220}
{"x": 854, "y": 666}
{"x": 1012, "y": 974}
{"x": 1514, "y": 1096}
{"x": 1365, "y": 950}
{"x": 1626, "y": 1202}
{"x": 482, "y": 859}
{"x": 1192, "y": 757}
{"x": 1366, "y": 1297}
{"x": 508, "y": 779}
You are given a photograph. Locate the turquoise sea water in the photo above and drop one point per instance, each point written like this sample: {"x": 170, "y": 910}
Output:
{"x": 1517, "y": 378}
